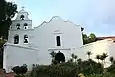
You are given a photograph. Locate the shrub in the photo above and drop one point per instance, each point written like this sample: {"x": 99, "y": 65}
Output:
{"x": 20, "y": 69}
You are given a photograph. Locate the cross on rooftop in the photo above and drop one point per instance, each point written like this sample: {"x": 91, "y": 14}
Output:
{"x": 22, "y": 7}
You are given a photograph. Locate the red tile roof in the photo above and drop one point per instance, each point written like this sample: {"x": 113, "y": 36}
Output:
{"x": 102, "y": 38}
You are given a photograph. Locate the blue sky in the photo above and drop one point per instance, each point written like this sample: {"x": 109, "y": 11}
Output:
{"x": 96, "y": 16}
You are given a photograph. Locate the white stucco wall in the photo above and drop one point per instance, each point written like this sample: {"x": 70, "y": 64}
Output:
{"x": 96, "y": 48}
{"x": 45, "y": 37}
{"x": 18, "y": 55}
{"x": 112, "y": 50}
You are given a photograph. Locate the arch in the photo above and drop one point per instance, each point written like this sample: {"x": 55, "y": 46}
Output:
{"x": 18, "y": 26}
{"x": 16, "y": 39}
{"x": 25, "y": 38}
{"x": 60, "y": 57}
{"x": 25, "y": 26}
{"x": 22, "y": 17}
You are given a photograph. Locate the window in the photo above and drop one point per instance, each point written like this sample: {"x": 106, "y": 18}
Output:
{"x": 22, "y": 17}
{"x": 18, "y": 26}
{"x": 16, "y": 39}
{"x": 25, "y": 26}
{"x": 58, "y": 41}
{"x": 25, "y": 38}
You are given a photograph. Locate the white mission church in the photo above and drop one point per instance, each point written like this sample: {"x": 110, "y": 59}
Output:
{"x": 27, "y": 45}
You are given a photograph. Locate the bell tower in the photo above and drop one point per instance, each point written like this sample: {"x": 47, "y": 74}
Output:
{"x": 20, "y": 28}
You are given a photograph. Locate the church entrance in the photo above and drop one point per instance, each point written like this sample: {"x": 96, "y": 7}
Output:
{"x": 60, "y": 57}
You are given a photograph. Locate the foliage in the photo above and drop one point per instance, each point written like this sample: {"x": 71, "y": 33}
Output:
{"x": 101, "y": 75}
{"x": 111, "y": 59}
{"x": 86, "y": 68}
{"x": 53, "y": 54}
{"x": 2, "y": 41}
{"x": 74, "y": 58}
{"x": 68, "y": 69}
{"x": 111, "y": 69}
{"x": 88, "y": 39}
{"x": 7, "y": 12}
{"x": 59, "y": 70}
{"x": 92, "y": 37}
{"x": 98, "y": 57}
{"x": 20, "y": 69}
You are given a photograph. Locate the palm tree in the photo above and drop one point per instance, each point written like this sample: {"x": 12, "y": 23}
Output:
{"x": 71, "y": 60}
{"x": 75, "y": 57}
{"x": 111, "y": 59}
{"x": 89, "y": 54}
{"x": 72, "y": 55}
{"x": 53, "y": 54}
{"x": 104, "y": 56}
{"x": 79, "y": 61}
{"x": 98, "y": 57}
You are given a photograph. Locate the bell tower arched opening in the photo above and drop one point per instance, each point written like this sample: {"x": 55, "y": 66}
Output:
{"x": 16, "y": 39}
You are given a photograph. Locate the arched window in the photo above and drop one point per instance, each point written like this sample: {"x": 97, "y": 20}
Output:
{"x": 25, "y": 38}
{"x": 16, "y": 39}
{"x": 22, "y": 17}
{"x": 25, "y": 26}
{"x": 18, "y": 26}
{"x": 58, "y": 41}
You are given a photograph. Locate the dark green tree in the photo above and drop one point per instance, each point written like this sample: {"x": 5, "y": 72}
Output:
{"x": 8, "y": 11}
{"x": 85, "y": 38}
{"x": 88, "y": 39}
{"x": 92, "y": 37}
{"x": 2, "y": 10}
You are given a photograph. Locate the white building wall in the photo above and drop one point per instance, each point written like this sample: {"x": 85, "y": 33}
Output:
{"x": 112, "y": 50}
{"x": 18, "y": 55}
{"x": 96, "y": 48}
{"x": 45, "y": 37}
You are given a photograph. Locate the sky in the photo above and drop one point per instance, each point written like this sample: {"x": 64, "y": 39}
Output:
{"x": 96, "y": 16}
